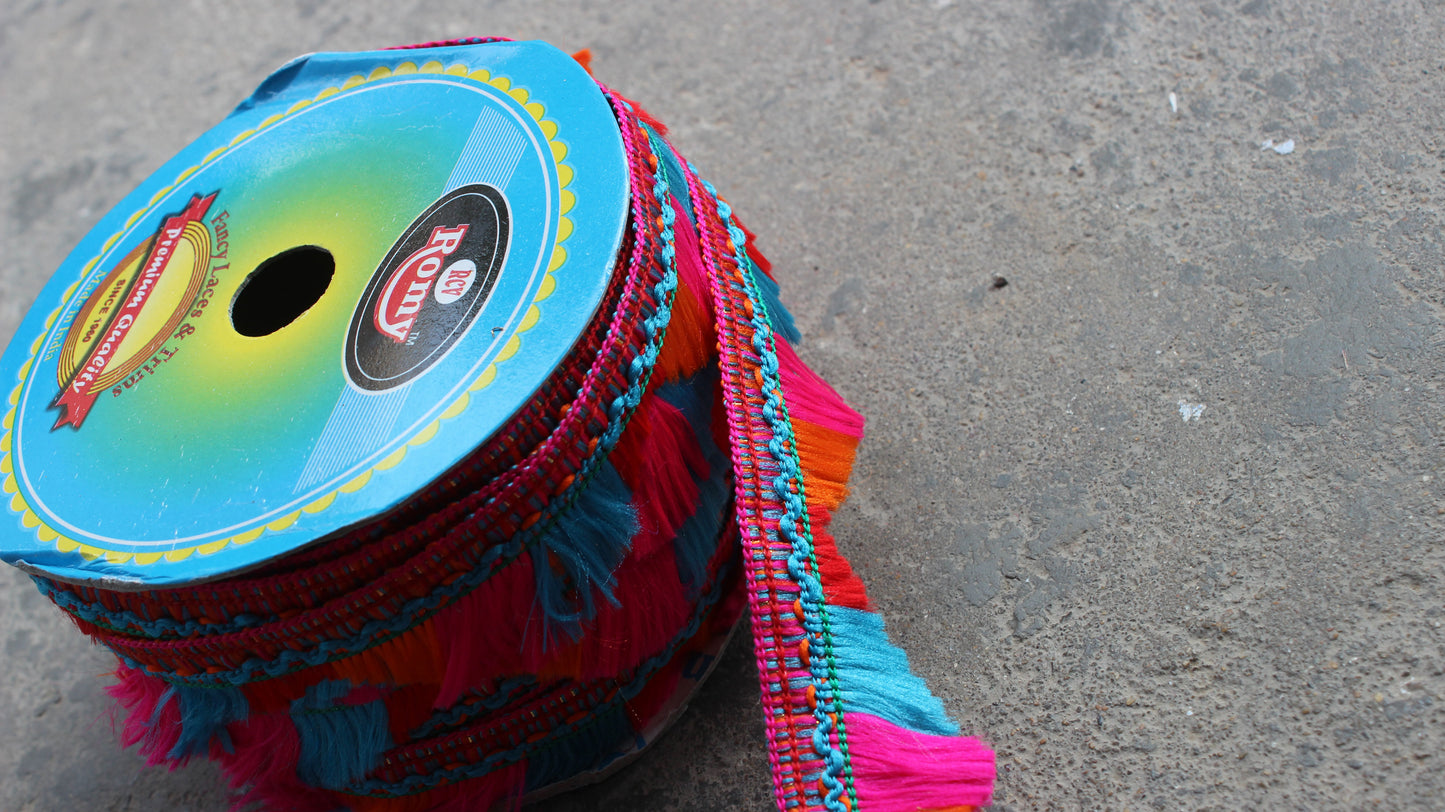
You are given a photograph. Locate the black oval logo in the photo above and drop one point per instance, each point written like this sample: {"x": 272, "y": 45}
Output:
{"x": 429, "y": 289}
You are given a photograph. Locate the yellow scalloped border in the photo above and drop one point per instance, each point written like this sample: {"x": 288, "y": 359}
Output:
{"x": 91, "y": 552}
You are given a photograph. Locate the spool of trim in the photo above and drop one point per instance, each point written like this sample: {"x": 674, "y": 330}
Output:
{"x": 414, "y": 438}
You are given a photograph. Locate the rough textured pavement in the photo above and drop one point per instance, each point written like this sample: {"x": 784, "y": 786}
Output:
{"x": 1160, "y": 517}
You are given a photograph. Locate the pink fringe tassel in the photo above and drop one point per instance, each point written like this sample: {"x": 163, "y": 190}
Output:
{"x": 656, "y": 609}
{"x": 898, "y": 770}
{"x": 810, "y": 397}
{"x": 498, "y": 791}
{"x": 261, "y": 767}
{"x": 487, "y": 636}
{"x": 659, "y": 460}
{"x": 501, "y": 790}
{"x": 691, "y": 275}
{"x": 486, "y": 632}
{"x": 155, "y": 727}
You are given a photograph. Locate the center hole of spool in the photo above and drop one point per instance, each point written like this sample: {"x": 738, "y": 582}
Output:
{"x": 281, "y": 289}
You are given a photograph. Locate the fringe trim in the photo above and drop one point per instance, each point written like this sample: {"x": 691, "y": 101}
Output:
{"x": 899, "y": 770}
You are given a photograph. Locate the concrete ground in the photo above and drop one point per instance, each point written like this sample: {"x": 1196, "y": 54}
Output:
{"x": 1160, "y": 517}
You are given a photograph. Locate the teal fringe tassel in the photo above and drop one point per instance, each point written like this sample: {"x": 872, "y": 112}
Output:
{"x": 874, "y": 677}
{"x": 579, "y": 750}
{"x": 590, "y": 539}
{"x": 696, "y": 541}
{"x": 673, "y": 167}
{"x": 778, "y": 316}
{"x": 693, "y": 396}
{"x": 205, "y": 712}
{"x": 340, "y": 742}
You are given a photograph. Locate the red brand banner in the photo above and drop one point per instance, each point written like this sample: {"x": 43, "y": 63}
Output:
{"x": 76, "y": 397}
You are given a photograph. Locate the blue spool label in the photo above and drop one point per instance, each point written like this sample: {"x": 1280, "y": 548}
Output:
{"x": 310, "y": 313}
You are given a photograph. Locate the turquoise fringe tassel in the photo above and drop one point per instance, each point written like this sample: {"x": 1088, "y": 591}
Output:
{"x": 873, "y": 675}
{"x": 778, "y": 316}
{"x": 340, "y": 743}
{"x": 205, "y": 712}
{"x": 696, "y": 541}
{"x": 589, "y": 540}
